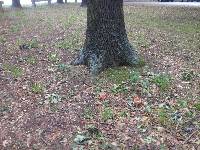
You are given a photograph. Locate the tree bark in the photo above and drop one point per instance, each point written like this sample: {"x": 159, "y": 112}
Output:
{"x": 16, "y": 4}
{"x": 75, "y": 1}
{"x": 106, "y": 43}
{"x": 84, "y": 3}
{"x": 60, "y": 1}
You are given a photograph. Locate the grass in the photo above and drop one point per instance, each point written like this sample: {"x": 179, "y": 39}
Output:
{"x": 107, "y": 114}
{"x": 37, "y": 88}
{"x": 53, "y": 57}
{"x": 117, "y": 75}
{"x": 31, "y": 60}
{"x": 14, "y": 70}
{"x": 2, "y": 39}
{"x": 162, "y": 81}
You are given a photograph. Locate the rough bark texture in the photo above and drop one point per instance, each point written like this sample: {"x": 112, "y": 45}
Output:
{"x": 16, "y": 4}
{"x": 60, "y": 1}
{"x": 106, "y": 43}
{"x": 84, "y": 3}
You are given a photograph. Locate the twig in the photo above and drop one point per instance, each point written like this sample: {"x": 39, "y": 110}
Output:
{"x": 190, "y": 137}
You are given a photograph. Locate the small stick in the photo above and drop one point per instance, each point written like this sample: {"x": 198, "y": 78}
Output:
{"x": 190, "y": 137}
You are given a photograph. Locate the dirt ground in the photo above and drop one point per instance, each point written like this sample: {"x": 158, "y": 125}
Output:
{"x": 47, "y": 104}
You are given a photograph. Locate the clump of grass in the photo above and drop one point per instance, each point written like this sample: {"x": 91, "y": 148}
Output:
{"x": 53, "y": 57}
{"x": 163, "y": 116}
{"x": 118, "y": 75}
{"x": 33, "y": 43}
{"x": 37, "y": 88}
{"x": 197, "y": 106}
{"x": 119, "y": 88}
{"x": 65, "y": 44}
{"x": 88, "y": 114}
{"x": 15, "y": 71}
{"x": 134, "y": 77}
{"x": 142, "y": 41}
{"x": 124, "y": 114}
{"x": 15, "y": 28}
{"x": 162, "y": 81}
{"x": 2, "y": 39}
{"x": 31, "y": 60}
{"x": 107, "y": 114}
{"x": 182, "y": 103}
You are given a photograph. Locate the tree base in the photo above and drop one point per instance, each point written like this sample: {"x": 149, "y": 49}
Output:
{"x": 98, "y": 62}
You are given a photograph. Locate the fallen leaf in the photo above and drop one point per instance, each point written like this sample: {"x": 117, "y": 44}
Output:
{"x": 103, "y": 96}
{"x": 137, "y": 101}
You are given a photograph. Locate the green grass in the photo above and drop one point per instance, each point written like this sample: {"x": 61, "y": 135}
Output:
{"x": 2, "y": 39}
{"x": 163, "y": 81}
{"x": 117, "y": 75}
{"x": 14, "y": 70}
{"x": 197, "y": 106}
{"x": 107, "y": 114}
{"x": 53, "y": 57}
{"x": 88, "y": 113}
{"x": 37, "y": 88}
{"x": 31, "y": 60}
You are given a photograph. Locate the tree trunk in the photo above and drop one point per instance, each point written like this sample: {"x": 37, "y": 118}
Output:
{"x": 84, "y": 3}
{"x": 16, "y": 4}
{"x": 106, "y": 43}
{"x": 65, "y": 1}
{"x": 60, "y": 1}
{"x": 75, "y": 1}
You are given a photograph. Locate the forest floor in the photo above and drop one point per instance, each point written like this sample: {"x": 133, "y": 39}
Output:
{"x": 45, "y": 103}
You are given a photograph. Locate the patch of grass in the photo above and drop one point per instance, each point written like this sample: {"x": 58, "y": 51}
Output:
{"x": 142, "y": 41}
{"x": 31, "y": 60}
{"x": 2, "y": 39}
{"x": 65, "y": 44}
{"x": 88, "y": 114}
{"x": 197, "y": 106}
{"x": 33, "y": 43}
{"x": 15, "y": 71}
{"x": 119, "y": 88}
{"x": 124, "y": 114}
{"x": 163, "y": 116}
{"x": 15, "y": 28}
{"x": 134, "y": 77}
{"x": 37, "y": 88}
{"x": 107, "y": 114}
{"x": 162, "y": 81}
{"x": 72, "y": 42}
{"x": 182, "y": 103}
{"x": 118, "y": 75}
{"x": 70, "y": 20}
{"x": 53, "y": 57}
{"x": 20, "y": 14}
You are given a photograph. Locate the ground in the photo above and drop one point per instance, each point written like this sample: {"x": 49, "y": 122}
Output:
{"x": 45, "y": 103}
